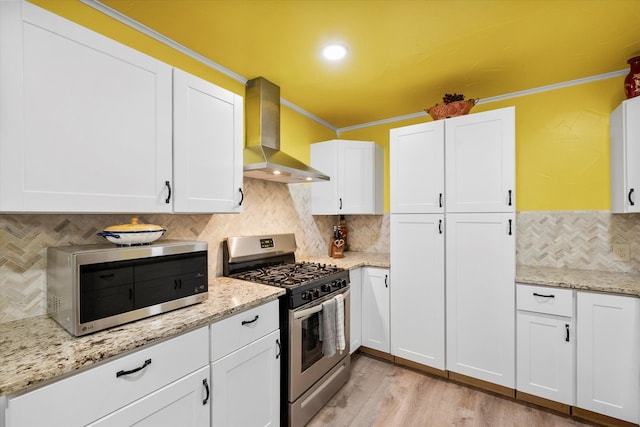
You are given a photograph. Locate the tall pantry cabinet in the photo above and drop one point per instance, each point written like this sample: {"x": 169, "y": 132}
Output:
{"x": 453, "y": 240}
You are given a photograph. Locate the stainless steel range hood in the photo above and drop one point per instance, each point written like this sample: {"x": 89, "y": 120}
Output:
{"x": 262, "y": 156}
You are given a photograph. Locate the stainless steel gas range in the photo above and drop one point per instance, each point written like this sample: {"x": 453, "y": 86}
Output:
{"x": 313, "y": 368}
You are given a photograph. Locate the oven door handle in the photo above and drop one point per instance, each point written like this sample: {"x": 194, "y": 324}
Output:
{"x": 312, "y": 310}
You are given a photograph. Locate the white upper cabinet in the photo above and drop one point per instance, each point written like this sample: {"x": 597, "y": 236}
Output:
{"x": 416, "y": 156}
{"x": 85, "y": 121}
{"x": 88, "y": 124}
{"x": 625, "y": 152}
{"x": 356, "y": 172}
{"x": 480, "y": 162}
{"x": 207, "y": 146}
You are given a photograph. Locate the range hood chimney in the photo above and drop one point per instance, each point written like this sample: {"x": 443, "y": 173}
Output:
{"x": 262, "y": 156}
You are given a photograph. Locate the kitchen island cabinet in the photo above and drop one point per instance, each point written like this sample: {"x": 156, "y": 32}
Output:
{"x": 356, "y": 172}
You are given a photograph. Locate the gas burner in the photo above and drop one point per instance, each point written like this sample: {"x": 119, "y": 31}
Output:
{"x": 289, "y": 274}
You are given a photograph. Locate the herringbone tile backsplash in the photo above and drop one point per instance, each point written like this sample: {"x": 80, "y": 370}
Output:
{"x": 580, "y": 239}
{"x": 268, "y": 208}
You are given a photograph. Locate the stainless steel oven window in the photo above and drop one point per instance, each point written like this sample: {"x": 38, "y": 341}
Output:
{"x": 311, "y": 344}
{"x": 302, "y": 376}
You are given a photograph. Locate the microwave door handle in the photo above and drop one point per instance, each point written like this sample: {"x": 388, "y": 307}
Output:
{"x": 312, "y": 310}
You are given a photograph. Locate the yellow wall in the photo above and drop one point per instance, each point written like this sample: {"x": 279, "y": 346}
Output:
{"x": 562, "y": 136}
{"x": 562, "y": 145}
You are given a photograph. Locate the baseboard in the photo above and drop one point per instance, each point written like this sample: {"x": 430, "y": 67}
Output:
{"x": 376, "y": 353}
{"x": 600, "y": 418}
{"x": 484, "y": 385}
{"x": 545, "y": 403}
{"x": 419, "y": 367}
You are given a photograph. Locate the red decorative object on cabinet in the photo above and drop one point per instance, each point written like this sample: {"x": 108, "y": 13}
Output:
{"x": 632, "y": 81}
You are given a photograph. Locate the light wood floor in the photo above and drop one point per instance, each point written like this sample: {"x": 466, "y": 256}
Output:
{"x": 382, "y": 394}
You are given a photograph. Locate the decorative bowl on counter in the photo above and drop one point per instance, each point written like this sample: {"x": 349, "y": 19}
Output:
{"x": 452, "y": 109}
{"x": 133, "y": 234}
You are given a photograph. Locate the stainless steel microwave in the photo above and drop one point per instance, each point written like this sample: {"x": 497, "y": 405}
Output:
{"x": 95, "y": 287}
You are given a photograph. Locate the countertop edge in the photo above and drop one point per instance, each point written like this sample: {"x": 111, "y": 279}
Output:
{"x": 53, "y": 354}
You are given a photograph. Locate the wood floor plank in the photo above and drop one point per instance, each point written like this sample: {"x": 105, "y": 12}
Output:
{"x": 381, "y": 394}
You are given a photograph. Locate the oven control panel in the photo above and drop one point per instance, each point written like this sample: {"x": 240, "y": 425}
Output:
{"x": 300, "y": 297}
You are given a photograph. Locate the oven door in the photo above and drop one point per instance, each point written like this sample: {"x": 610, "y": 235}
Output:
{"x": 307, "y": 361}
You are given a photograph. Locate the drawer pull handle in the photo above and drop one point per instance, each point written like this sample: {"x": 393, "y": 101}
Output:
{"x": 440, "y": 200}
{"x": 567, "y": 328}
{"x": 206, "y": 387}
{"x": 279, "y": 349}
{"x": 247, "y": 322}
{"x": 133, "y": 371}
{"x": 386, "y": 280}
{"x": 241, "y": 196}
{"x": 535, "y": 294}
{"x": 629, "y": 197}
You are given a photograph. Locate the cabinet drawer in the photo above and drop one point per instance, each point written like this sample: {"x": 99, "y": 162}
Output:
{"x": 89, "y": 395}
{"x": 230, "y": 334}
{"x": 544, "y": 299}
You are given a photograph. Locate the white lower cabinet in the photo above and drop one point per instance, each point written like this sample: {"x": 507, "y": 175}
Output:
{"x": 245, "y": 368}
{"x": 417, "y": 295}
{"x": 181, "y": 403}
{"x": 375, "y": 309}
{"x": 545, "y": 343}
{"x": 355, "y": 330}
{"x": 608, "y": 372}
{"x": 159, "y": 379}
{"x": 480, "y": 296}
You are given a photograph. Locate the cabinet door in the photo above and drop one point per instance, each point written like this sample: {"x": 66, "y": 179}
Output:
{"x": 245, "y": 385}
{"x": 607, "y": 355}
{"x": 417, "y": 168}
{"x": 94, "y": 393}
{"x": 625, "y": 150}
{"x": 207, "y": 146}
{"x": 480, "y": 295}
{"x": 356, "y": 171}
{"x": 480, "y": 162}
{"x": 355, "y": 301}
{"x": 375, "y": 309}
{"x": 185, "y": 402}
{"x": 356, "y": 166}
{"x": 546, "y": 354}
{"x": 417, "y": 295}
{"x": 85, "y": 121}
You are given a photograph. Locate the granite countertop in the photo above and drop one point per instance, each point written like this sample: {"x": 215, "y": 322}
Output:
{"x": 36, "y": 350}
{"x": 582, "y": 280}
{"x": 351, "y": 259}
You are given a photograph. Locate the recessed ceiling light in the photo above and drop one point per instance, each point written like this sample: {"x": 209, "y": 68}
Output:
{"x": 334, "y": 52}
